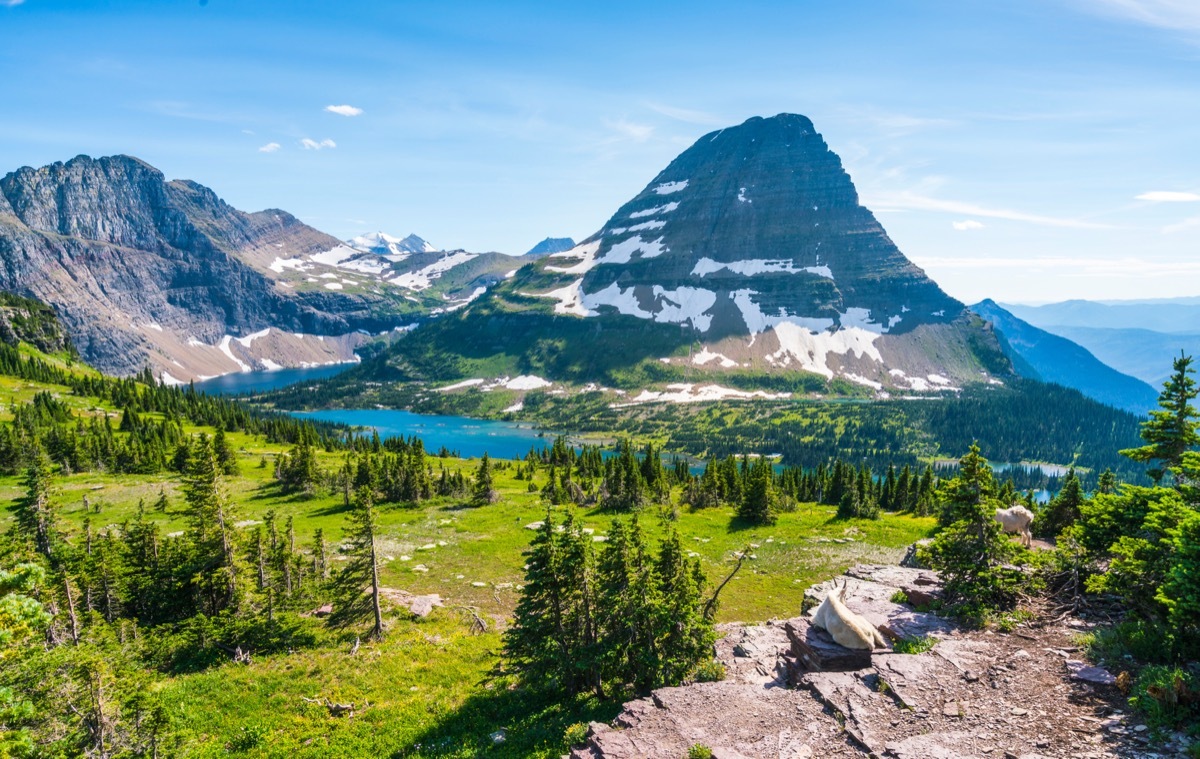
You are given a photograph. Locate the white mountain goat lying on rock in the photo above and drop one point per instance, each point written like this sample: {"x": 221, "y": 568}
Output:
{"x": 847, "y": 628}
{"x": 1016, "y": 520}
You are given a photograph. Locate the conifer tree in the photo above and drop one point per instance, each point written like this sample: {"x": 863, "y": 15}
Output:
{"x": 688, "y": 636}
{"x": 536, "y": 642}
{"x": 218, "y": 576}
{"x": 1064, "y": 509}
{"x": 759, "y": 499}
{"x": 357, "y": 584}
{"x": 972, "y": 551}
{"x": 485, "y": 489}
{"x": 226, "y": 456}
{"x": 1171, "y": 430}
{"x": 35, "y": 515}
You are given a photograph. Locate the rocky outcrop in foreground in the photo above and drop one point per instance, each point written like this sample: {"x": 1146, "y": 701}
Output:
{"x": 791, "y": 693}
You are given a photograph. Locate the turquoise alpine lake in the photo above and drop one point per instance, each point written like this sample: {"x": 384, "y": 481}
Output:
{"x": 468, "y": 437}
{"x": 240, "y": 383}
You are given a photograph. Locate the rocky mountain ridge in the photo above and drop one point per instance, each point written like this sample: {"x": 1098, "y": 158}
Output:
{"x": 145, "y": 271}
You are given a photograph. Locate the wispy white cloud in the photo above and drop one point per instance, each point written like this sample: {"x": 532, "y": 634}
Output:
{"x": 1168, "y": 196}
{"x": 308, "y": 144}
{"x": 893, "y": 122}
{"x": 631, "y": 130}
{"x": 270, "y": 147}
{"x": 1182, "y": 226}
{"x": 344, "y": 110}
{"x": 1180, "y": 15}
{"x": 915, "y": 202}
{"x": 966, "y": 225}
{"x": 11, "y": 3}
{"x": 1097, "y": 267}
{"x": 686, "y": 115}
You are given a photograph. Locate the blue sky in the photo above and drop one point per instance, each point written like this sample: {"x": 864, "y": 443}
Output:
{"x": 1030, "y": 150}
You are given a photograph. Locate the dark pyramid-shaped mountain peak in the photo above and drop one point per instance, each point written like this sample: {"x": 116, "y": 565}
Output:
{"x": 750, "y": 253}
{"x": 753, "y": 226}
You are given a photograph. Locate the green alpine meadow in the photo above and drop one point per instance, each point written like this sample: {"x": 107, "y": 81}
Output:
{"x": 657, "y": 381}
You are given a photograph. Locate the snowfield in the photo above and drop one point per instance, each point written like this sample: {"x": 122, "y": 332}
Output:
{"x": 422, "y": 279}
{"x": 655, "y": 211}
{"x": 685, "y": 392}
{"x": 705, "y": 356}
{"x": 810, "y": 349}
{"x": 754, "y": 266}
{"x": 666, "y": 188}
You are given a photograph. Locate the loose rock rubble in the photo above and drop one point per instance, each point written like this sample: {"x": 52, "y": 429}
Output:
{"x": 790, "y": 693}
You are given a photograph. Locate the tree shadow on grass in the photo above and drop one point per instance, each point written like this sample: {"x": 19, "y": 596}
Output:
{"x": 530, "y": 722}
{"x": 740, "y": 524}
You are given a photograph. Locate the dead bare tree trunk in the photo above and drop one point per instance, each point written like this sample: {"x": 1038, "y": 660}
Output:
{"x": 711, "y": 606}
{"x": 71, "y": 610}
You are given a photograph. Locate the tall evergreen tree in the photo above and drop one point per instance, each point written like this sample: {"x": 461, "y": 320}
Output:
{"x": 357, "y": 584}
{"x": 1064, "y": 508}
{"x": 485, "y": 487}
{"x": 1171, "y": 431}
{"x": 759, "y": 499}
{"x": 218, "y": 576}
{"x": 35, "y": 515}
{"x": 972, "y": 552}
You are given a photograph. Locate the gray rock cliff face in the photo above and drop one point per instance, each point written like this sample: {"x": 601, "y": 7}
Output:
{"x": 122, "y": 254}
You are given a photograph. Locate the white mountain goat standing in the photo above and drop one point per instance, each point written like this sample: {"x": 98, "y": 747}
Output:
{"x": 847, "y": 628}
{"x": 1016, "y": 520}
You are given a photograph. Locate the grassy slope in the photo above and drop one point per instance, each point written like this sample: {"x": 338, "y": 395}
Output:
{"x": 429, "y": 684}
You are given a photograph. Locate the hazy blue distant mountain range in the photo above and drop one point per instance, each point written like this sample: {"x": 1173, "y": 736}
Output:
{"x": 1038, "y": 354}
{"x": 1139, "y": 338}
{"x": 1179, "y": 315}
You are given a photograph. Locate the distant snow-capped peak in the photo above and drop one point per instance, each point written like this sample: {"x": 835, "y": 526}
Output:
{"x": 385, "y": 244}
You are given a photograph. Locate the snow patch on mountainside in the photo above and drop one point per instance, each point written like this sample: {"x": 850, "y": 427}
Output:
{"x": 757, "y": 321}
{"x": 685, "y": 392}
{"x": 570, "y": 299}
{"x": 422, "y": 279}
{"x": 335, "y": 256}
{"x": 586, "y": 252}
{"x": 655, "y": 211}
{"x": 622, "y": 252}
{"x": 754, "y": 266}
{"x": 625, "y": 301}
{"x": 685, "y": 304}
{"x": 705, "y": 356}
{"x": 811, "y": 348}
{"x": 666, "y": 188}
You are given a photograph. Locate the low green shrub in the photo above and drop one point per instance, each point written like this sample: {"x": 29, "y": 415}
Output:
{"x": 710, "y": 671}
{"x": 916, "y": 645}
{"x": 1166, "y": 696}
{"x": 575, "y": 734}
{"x": 699, "y": 751}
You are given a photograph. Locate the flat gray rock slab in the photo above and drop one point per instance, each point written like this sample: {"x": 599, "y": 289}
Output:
{"x": 733, "y": 719}
{"x": 896, "y": 577}
{"x": 756, "y": 654}
{"x": 816, "y": 651}
{"x": 915, "y": 679}
{"x": 1095, "y": 675}
{"x": 933, "y": 746}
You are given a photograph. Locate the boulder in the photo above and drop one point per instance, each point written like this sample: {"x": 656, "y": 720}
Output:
{"x": 816, "y": 651}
